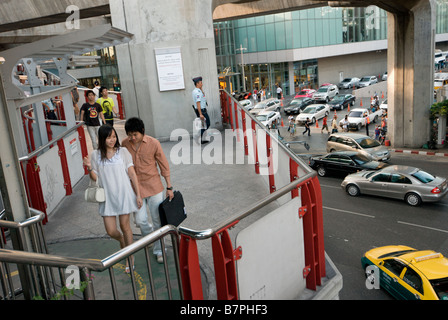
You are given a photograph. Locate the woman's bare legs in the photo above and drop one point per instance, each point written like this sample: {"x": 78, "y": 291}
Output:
{"x": 124, "y": 239}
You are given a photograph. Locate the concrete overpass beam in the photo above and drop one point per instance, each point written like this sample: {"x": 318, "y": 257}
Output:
{"x": 410, "y": 62}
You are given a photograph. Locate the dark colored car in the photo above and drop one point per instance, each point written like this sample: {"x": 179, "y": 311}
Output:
{"x": 342, "y": 101}
{"x": 297, "y": 105}
{"x": 343, "y": 163}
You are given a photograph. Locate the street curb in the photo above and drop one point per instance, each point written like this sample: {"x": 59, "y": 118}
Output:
{"x": 425, "y": 153}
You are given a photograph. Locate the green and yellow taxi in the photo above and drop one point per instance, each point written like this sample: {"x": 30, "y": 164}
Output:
{"x": 407, "y": 273}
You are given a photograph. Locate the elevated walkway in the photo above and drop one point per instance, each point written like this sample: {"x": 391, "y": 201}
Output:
{"x": 75, "y": 229}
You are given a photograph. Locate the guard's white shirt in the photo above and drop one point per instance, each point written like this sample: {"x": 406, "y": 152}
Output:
{"x": 198, "y": 95}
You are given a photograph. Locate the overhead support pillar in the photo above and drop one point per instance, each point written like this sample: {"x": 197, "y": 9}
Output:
{"x": 410, "y": 61}
{"x": 150, "y": 90}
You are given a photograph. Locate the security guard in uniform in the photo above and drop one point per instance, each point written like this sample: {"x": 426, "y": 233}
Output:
{"x": 200, "y": 105}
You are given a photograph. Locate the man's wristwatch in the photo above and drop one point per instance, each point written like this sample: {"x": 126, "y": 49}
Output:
{"x": 169, "y": 188}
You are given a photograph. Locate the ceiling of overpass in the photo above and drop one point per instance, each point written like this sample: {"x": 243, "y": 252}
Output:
{"x": 228, "y": 9}
{"x": 12, "y": 16}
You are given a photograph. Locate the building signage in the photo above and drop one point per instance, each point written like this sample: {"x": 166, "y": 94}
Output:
{"x": 169, "y": 69}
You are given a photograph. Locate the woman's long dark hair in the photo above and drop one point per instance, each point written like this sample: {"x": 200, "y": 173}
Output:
{"x": 103, "y": 133}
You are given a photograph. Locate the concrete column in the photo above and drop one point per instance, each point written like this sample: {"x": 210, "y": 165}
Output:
{"x": 184, "y": 24}
{"x": 410, "y": 74}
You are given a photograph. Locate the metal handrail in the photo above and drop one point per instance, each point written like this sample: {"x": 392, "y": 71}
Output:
{"x": 50, "y": 143}
{"x": 208, "y": 233}
{"x": 87, "y": 265}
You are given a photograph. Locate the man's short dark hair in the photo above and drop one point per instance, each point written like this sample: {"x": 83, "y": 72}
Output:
{"x": 89, "y": 91}
{"x": 134, "y": 125}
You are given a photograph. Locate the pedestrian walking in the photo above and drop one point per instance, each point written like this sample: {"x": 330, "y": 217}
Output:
{"x": 307, "y": 127}
{"x": 148, "y": 158}
{"x": 200, "y": 106}
{"x": 107, "y": 105}
{"x": 377, "y": 132}
{"x": 112, "y": 167}
{"x": 292, "y": 128}
{"x": 91, "y": 114}
{"x": 334, "y": 124}
{"x": 279, "y": 92}
{"x": 324, "y": 125}
{"x": 345, "y": 124}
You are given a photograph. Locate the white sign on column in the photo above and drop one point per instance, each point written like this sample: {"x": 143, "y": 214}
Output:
{"x": 169, "y": 69}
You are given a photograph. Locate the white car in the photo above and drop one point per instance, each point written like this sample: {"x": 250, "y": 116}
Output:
{"x": 367, "y": 81}
{"x": 271, "y": 104}
{"x": 326, "y": 93}
{"x": 357, "y": 117}
{"x": 246, "y": 104}
{"x": 348, "y": 83}
{"x": 268, "y": 117}
{"x": 314, "y": 112}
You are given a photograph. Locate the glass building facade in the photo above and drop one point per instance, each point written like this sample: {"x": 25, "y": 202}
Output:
{"x": 324, "y": 26}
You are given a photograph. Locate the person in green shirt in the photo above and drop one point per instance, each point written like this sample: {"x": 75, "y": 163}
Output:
{"x": 108, "y": 106}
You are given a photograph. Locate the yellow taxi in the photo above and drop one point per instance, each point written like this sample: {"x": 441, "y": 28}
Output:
{"x": 407, "y": 273}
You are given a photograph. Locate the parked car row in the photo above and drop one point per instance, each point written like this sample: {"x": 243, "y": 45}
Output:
{"x": 355, "y": 82}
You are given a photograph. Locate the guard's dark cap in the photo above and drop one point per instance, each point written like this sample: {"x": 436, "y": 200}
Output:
{"x": 197, "y": 79}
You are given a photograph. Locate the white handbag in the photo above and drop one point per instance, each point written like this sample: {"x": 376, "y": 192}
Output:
{"x": 94, "y": 193}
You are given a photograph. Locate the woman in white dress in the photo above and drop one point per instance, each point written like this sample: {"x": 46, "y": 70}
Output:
{"x": 113, "y": 167}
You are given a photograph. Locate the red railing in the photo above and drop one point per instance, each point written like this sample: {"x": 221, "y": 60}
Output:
{"x": 224, "y": 255}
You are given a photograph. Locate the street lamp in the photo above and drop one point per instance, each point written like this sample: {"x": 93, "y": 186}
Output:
{"x": 242, "y": 65}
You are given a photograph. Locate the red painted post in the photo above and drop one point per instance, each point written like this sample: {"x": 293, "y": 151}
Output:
{"x": 270, "y": 158}
{"x": 237, "y": 125}
{"x": 313, "y": 234}
{"x": 120, "y": 106}
{"x": 83, "y": 143}
{"x": 254, "y": 140}
{"x": 190, "y": 269}
{"x": 36, "y": 196}
{"x": 294, "y": 175}
{"x": 64, "y": 166}
{"x": 243, "y": 120}
{"x": 224, "y": 265}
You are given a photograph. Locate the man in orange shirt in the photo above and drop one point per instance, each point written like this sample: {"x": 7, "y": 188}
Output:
{"x": 147, "y": 154}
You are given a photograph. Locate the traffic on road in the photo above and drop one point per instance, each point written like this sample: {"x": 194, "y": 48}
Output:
{"x": 400, "y": 202}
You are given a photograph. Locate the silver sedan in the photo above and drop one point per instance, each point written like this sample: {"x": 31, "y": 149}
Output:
{"x": 410, "y": 184}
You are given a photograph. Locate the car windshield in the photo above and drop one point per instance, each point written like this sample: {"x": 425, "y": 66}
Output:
{"x": 302, "y": 93}
{"x": 423, "y": 176}
{"x": 295, "y": 101}
{"x": 367, "y": 143}
{"x": 310, "y": 110}
{"x": 260, "y": 106}
{"x": 323, "y": 89}
{"x": 360, "y": 159}
{"x": 346, "y": 80}
{"x": 338, "y": 99}
{"x": 262, "y": 117}
{"x": 355, "y": 114}
{"x": 441, "y": 288}
{"x": 365, "y": 79}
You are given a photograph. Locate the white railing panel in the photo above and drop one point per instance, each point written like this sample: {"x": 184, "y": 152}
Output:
{"x": 51, "y": 177}
{"x": 74, "y": 157}
{"x": 272, "y": 262}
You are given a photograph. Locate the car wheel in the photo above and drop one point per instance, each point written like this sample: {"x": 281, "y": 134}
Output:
{"x": 353, "y": 190}
{"x": 313, "y": 121}
{"x": 321, "y": 171}
{"x": 341, "y": 107}
{"x": 359, "y": 126}
{"x": 327, "y": 99}
{"x": 413, "y": 199}
{"x": 375, "y": 119}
